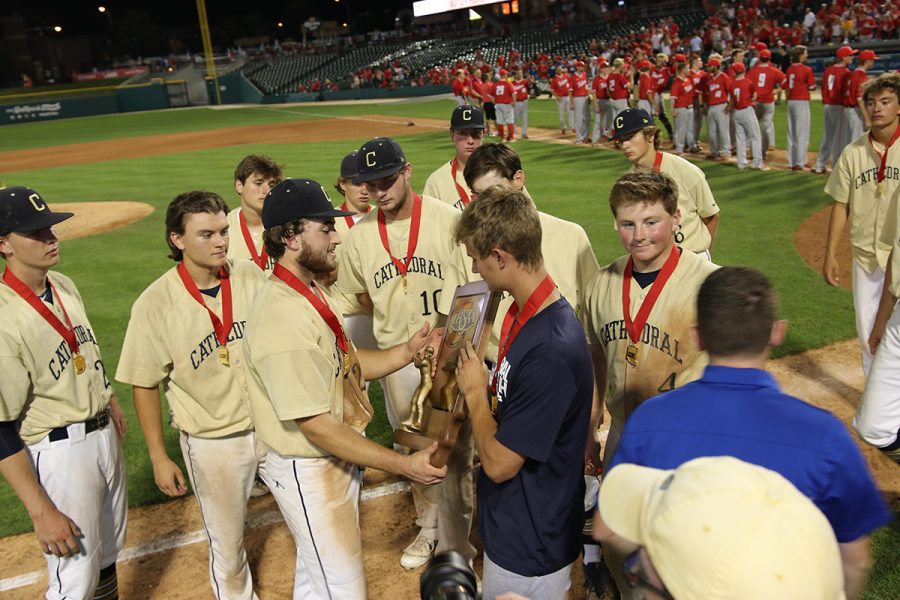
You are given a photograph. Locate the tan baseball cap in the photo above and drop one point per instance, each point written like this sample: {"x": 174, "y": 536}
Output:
{"x": 718, "y": 528}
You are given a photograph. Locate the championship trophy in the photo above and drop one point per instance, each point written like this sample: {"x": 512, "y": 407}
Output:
{"x": 437, "y": 409}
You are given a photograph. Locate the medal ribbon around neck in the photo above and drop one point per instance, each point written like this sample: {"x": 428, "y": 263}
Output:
{"x": 883, "y": 157}
{"x": 635, "y": 327}
{"x": 463, "y": 195}
{"x": 348, "y": 218}
{"x": 657, "y": 162}
{"x": 221, "y": 328}
{"x": 320, "y": 305}
{"x": 512, "y": 323}
{"x": 66, "y": 331}
{"x": 413, "y": 235}
{"x": 260, "y": 258}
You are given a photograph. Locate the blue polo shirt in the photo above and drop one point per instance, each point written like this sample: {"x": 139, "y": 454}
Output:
{"x": 531, "y": 524}
{"x": 743, "y": 413}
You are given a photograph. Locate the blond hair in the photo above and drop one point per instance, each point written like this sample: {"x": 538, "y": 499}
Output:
{"x": 889, "y": 82}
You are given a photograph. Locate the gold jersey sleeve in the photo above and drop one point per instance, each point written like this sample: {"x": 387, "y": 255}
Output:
{"x": 890, "y": 236}
{"x": 568, "y": 258}
{"x": 170, "y": 340}
{"x": 38, "y": 383}
{"x": 854, "y": 181}
{"x": 666, "y": 356}
{"x": 695, "y": 200}
{"x": 292, "y": 367}
{"x": 440, "y": 185}
{"x": 347, "y": 304}
{"x": 365, "y": 267}
{"x": 237, "y": 245}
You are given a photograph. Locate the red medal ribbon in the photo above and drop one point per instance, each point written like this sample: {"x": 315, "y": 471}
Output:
{"x": 512, "y": 325}
{"x": 463, "y": 195}
{"x": 883, "y": 157}
{"x": 261, "y": 259}
{"x": 320, "y": 305}
{"x": 657, "y": 163}
{"x": 222, "y": 329}
{"x": 66, "y": 331}
{"x": 635, "y": 327}
{"x": 413, "y": 235}
{"x": 348, "y": 218}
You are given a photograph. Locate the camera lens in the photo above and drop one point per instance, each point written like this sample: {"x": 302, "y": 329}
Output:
{"x": 448, "y": 577}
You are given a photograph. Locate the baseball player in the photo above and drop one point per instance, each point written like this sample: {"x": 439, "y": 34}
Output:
{"x": 185, "y": 333}
{"x": 833, "y": 82}
{"x": 305, "y": 382}
{"x": 717, "y": 117}
{"x": 600, "y": 101}
{"x": 254, "y": 176}
{"x": 487, "y": 97}
{"x": 856, "y": 120}
{"x": 461, "y": 88}
{"x": 531, "y": 484}
{"x": 638, "y": 138}
{"x": 863, "y": 184}
{"x": 661, "y": 75}
{"x": 799, "y": 81}
{"x": 649, "y": 349}
{"x": 646, "y": 88}
{"x": 58, "y": 450}
{"x": 618, "y": 86}
{"x": 522, "y": 86}
{"x": 504, "y": 101}
{"x": 560, "y": 87}
{"x": 740, "y": 104}
{"x": 765, "y": 77}
{"x": 447, "y": 182}
{"x": 699, "y": 79}
{"x": 737, "y": 58}
{"x": 682, "y": 94}
{"x": 395, "y": 260}
{"x": 579, "y": 90}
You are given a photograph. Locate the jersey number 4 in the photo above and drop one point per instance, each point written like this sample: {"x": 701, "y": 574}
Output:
{"x": 668, "y": 384}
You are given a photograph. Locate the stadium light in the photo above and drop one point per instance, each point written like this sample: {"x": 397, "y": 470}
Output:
{"x": 57, "y": 29}
{"x": 280, "y": 24}
{"x": 101, "y": 9}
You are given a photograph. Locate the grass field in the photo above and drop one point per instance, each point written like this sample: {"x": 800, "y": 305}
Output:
{"x": 760, "y": 212}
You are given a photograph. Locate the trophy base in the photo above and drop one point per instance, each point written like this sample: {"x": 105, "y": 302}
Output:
{"x": 412, "y": 440}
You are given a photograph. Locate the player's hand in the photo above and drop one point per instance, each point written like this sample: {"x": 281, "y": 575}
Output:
{"x": 592, "y": 461}
{"x": 471, "y": 374}
{"x": 876, "y": 335}
{"x": 118, "y": 417}
{"x": 419, "y": 467}
{"x": 57, "y": 534}
{"x": 168, "y": 477}
{"x": 830, "y": 271}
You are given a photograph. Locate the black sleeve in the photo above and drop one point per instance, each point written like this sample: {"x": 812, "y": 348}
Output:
{"x": 10, "y": 442}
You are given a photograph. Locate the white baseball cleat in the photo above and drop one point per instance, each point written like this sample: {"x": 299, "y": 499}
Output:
{"x": 418, "y": 552}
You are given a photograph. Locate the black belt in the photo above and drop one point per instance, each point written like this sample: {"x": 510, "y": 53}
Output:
{"x": 92, "y": 424}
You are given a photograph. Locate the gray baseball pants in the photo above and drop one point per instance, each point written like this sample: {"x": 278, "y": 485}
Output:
{"x": 832, "y": 137}
{"x": 746, "y": 128}
{"x": 717, "y": 122}
{"x": 797, "y": 132}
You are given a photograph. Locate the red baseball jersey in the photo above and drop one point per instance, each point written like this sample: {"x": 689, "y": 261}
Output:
{"x": 521, "y": 88}
{"x": 853, "y": 87}
{"x": 742, "y": 92}
{"x": 579, "y": 84}
{"x": 660, "y": 76}
{"x": 717, "y": 89}
{"x": 646, "y": 86}
{"x": 487, "y": 91}
{"x": 503, "y": 92}
{"x": 560, "y": 85}
{"x": 598, "y": 87}
{"x": 800, "y": 80}
{"x": 731, "y": 70}
{"x": 682, "y": 92}
{"x": 460, "y": 88}
{"x": 833, "y": 84}
{"x": 617, "y": 86}
{"x": 765, "y": 78}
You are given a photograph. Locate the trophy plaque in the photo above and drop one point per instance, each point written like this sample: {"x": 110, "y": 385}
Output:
{"x": 437, "y": 409}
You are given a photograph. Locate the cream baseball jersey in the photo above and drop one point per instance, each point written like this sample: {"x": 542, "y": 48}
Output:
{"x": 890, "y": 236}
{"x": 346, "y": 304}
{"x": 568, "y": 258}
{"x": 854, "y": 180}
{"x": 366, "y": 267}
{"x": 665, "y": 357}
{"x": 442, "y": 185}
{"x": 37, "y": 368}
{"x": 239, "y": 245}
{"x": 292, "y": 367}
{"x": 171, "y": 341}
{"x": 695, "y": 200}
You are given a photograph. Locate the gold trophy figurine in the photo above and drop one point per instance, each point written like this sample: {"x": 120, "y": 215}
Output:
{"x": 423, "y": 361}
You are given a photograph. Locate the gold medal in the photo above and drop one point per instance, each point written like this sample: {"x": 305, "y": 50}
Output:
{"x": 223, "y": 355}
{"x": 404, "y": 284}
{"x": 80, "y": 364}
{"x": 880, "y": 188}
{"x": 494, "y": 404}
{"x": 346, "y": 363}
{"x": 631, "y": 354}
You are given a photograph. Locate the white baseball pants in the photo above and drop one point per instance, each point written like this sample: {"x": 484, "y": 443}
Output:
{"x": 866, "y": 296}
{"x": 84, "y": 476}
{"x": 878, "y": 418}
{"x": 798, "y": 132}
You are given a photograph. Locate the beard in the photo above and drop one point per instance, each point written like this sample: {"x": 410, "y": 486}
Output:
{"x": 315, "y": 262}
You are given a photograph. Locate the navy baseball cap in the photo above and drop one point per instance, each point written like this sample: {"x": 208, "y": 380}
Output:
{"x": 377, "y": 159}
{"x": 348, "y": 166}
{"x": 23, "y": 210}
{"x": 295, "y": 199}
{"x": 467, "y": 116}
{"x": 629, "y": 121}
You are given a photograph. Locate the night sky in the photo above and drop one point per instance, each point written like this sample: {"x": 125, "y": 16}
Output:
{"x": 82, "y": 17}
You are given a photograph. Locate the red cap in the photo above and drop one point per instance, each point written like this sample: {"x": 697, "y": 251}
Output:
{"x": 845, "y": 51}
{"x": 765, "y": 53}
{"x": 601, "y": 62}
{"x": 503, "y": 72}
{"x": 679, "y": 57}
{"x": 761, "y": 46}
{"x": 579, "y": 63}
{"x": 738, "y": 67}
{"x": 713, "y": 62}
{"x": 868, "y": 55}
